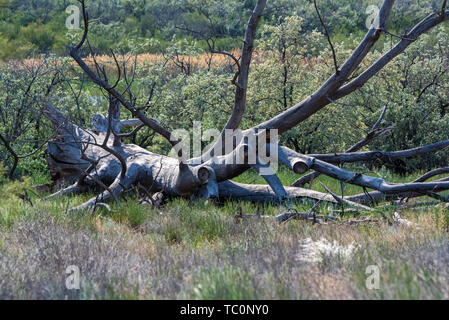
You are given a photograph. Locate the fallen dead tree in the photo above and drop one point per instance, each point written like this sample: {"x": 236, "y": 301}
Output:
{"x": 96, "y": 159}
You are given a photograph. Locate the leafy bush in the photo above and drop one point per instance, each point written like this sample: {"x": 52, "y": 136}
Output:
{"x": 185, "y": 85}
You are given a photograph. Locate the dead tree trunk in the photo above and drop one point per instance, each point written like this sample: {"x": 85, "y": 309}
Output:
{"x": 90, "y": 160}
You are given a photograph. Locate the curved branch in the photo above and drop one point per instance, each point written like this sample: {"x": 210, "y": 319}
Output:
{"x": 312, "y": 104}
{"x": 334, "y": 56}
{"x": 86, "y": 24}
{"x": 119, "y": 70}
{"x": 370, "y": 182}
{"x": 242, "y": 79}
{"x": 377, "y": 196}
{"x": 120, "y": 185}
{"x": 151, "y": 123}
{"x": 422, "y": 27}
{"x": 340, "y": 158}
{"x": 18, "y": 157}
{"x": 14, "y": 155}
{"x": 432, "y": 174}
{"x": 373, "y": 134}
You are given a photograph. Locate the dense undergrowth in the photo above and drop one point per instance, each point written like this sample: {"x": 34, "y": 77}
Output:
{"x": 197, "y": 250}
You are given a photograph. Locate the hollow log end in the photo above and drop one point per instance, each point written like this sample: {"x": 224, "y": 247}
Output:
{"x": 300, "y": 167}
{"x": 203, "y": 175}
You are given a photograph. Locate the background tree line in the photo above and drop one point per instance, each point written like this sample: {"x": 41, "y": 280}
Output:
{"x": 185, "y": 83}
{"x": 30, "y": 26}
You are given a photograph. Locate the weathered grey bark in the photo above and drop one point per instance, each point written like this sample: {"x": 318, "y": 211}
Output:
{"x": 263, "y": 193}
{"x": 334, "y": 88}
{"x": 152, "y": 171}
{"x": 377, "y": 196}
{"x": 368, "y": 181}
{"x": 94, "y": 161}
{"x": 384, "y": 157}
{"x": 373, "y": 134}
{"x": 160, "y": 173}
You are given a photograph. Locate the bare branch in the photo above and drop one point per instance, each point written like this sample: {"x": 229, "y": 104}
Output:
{"x": 247, "y": 52}
{"x": 443, "y": 9}
{"x": 86, "y": 24}
{"x": 432, "y": 174}
{"x": 380, "y": 155}
{"x": 312, "y": 104}
{"x": 14, "y": 155}
{"x": 73, "y": 51}
{"x": 343, "y": 201}
{"x": 119, "y": 70}
{"x": 152, "y": 124}
{"x": 422, "y": 27}
{"x": 373, "y": 134}
{"x": 242, "y": 79}
{"x": 17, "y": 157}
{"x": 370, "y": 182}
{"x": 334, "y": 56}
{"x": 379, "y": 121}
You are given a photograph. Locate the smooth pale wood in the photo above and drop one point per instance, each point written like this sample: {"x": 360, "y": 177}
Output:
{"x": 264, "y": 193}
{"x": 373, "y": 182}
{"x": 68, "y": 153}
{"x": 153, "y": 171}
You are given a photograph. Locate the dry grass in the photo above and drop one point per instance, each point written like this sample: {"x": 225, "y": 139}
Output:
{"x": 204, "y": 61}
{"x": 196, "y": 62}
{"x": 200, "y": 61}
{"x": 199, "y": 252}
